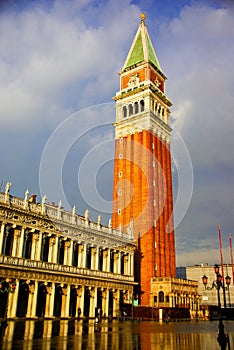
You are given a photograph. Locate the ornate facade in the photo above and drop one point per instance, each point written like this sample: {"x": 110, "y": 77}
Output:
{"x": 174, "y": 293}
{"x": 54, "y": 263}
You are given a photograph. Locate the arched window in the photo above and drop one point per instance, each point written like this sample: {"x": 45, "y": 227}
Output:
{"x": 156, "y": 107}
{"x": 142, "y": 104}
{"x": 8, "y": 241}
{"x": 88, "y": 257}
{"x": 100, "y": 260}
{"x": 27, "y": 245}
{"x": 60, "y": 256}
{"x": 124, "y": 111}
{"x": 75, "y": 254}
{"x": 41, "y": 300}
{"x": 130, "y": 109}
{"x": 161, "y": 297}
{"x": 58, "y": 300}
{"x": 22, "y": 299}
{"x": 136, "y": 108}
{"x": 122, "y": 264}
{"x": 112, "y": 261}
{"x": 45, "y": 247}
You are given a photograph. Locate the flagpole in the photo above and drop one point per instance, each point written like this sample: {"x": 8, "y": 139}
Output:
{"x": 231, "y": 256}
{"x": 221, "y": 259}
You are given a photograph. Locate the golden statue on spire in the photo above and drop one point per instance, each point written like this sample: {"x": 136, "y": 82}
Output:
{"x": 143, "y": 17}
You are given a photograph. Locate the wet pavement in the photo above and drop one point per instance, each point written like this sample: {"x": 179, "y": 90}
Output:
{"x": 115, "y": 335}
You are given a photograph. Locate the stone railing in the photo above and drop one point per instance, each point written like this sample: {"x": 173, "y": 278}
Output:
{"x": 60, "y": 215}
{"x": 65, "y": 269}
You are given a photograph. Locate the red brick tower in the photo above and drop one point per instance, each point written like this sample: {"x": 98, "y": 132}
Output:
{"x": 142, "y": 195}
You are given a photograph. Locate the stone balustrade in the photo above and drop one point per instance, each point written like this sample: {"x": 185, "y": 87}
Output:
{"x": 65, "y": 217}
{"x": 41, "y": 265}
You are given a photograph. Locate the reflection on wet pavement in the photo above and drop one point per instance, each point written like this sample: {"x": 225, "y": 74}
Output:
{"x": 126, "y": 334}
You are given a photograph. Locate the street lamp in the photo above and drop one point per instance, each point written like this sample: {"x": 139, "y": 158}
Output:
{"x": 218, "y": 284}
{"x": 222, "y": 338}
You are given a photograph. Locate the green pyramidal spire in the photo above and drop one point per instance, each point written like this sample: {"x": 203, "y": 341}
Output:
{"x": 142, "y": 49}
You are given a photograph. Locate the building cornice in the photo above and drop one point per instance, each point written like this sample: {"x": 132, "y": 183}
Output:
{"x": 142, "y": 87}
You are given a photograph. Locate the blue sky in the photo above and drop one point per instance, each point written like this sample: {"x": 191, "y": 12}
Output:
{"x": 58, "y": 58}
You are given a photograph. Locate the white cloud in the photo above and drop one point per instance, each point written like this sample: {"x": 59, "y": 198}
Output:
{"x": 46, "y": 54}
{"x": 200, "y": 66}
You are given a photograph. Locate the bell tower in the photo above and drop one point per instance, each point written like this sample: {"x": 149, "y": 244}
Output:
{"x": 142, "y": 191}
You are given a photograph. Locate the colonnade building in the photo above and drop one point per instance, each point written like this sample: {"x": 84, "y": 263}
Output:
{"x": 55, "y": 263}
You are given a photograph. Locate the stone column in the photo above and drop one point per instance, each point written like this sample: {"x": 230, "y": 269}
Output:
{"x": 30, "y": 299}
{"x": 39, "y": 244}
{"x": 104, "y": 267}
{"x": 67, "y": 305}
{"x": 15, "y": 241}
{"x": 70, "y": 254}
{"x": 80, "y": 255}
{"x": 126, "y": 261}
{"x": 84, "y": 257}
{"x": 2, "y": 236}
{"x": 80, "y": 300}
{"x": 116, "y": 298}
{"x": 21, "y": 243}
{"x": 51, "y": 245}
{"x": 106, "y": 260}
{"x": 118, "y": 262}
{"x": 66, "y": 247}
{"x": 34, "y": 302}
{"x": 172, "y": 300}
{"x": 131, "y": 264}
{"x": 13, "y": 301}
{"x": 49, "y": 307}
{"x": 105, "y": 301}
{"x": 34, "y": 245}
{"x": 94, "y": 258}
{"x": 97, "y": 259}
{"x": 65, "y": 301}
{"x": 93, "y": 301}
